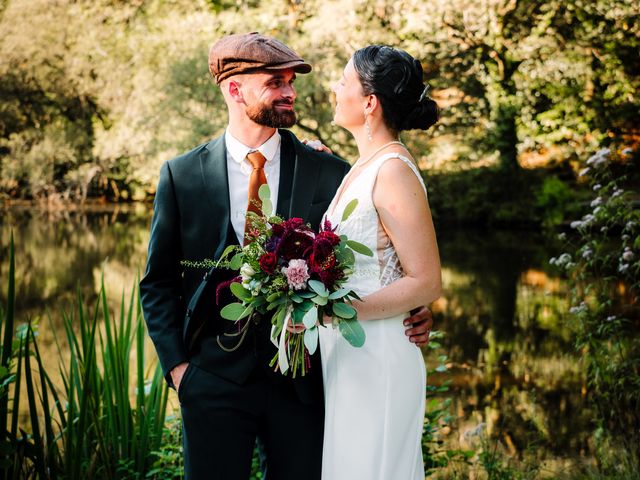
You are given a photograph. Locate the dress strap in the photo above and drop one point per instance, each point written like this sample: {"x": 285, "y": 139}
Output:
{"x": 410, "y": 163}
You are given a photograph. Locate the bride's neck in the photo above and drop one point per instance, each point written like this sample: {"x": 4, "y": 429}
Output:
{"x": 367, "y": 147}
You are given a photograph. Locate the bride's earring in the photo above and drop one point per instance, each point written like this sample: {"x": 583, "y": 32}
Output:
{"x": 367, "y": 127}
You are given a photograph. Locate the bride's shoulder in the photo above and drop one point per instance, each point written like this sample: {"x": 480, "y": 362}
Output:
{"x": 398, "y": 164}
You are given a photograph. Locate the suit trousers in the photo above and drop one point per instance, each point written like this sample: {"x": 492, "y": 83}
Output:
{"x": 222, "y": 419}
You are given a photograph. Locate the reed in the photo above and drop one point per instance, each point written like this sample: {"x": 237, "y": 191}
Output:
{"x": 108, "y": 417}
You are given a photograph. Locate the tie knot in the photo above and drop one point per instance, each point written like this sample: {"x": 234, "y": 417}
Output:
{"x": 256, "y": 159}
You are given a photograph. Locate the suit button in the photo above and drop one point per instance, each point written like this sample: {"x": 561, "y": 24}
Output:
{"x": 189, "y": 312}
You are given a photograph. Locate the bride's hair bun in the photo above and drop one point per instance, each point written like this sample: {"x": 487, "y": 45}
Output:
{"x": 395, "y": 77}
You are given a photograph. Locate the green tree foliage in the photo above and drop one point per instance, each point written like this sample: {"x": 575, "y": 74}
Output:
{"x": 96, "y": 95}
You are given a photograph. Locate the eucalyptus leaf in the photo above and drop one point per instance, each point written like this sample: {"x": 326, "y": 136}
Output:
{"x": 348, "y": 210}
{"x": 352, "y": 332}
{"x": 343, "y": 310}
{"x": 233, "y": 311}
{"x": 311, "y": 339}
{"x": 239, "y": 291}
{"x": 236, "y": 262}
{"x": 319, "y": 288}
{"x": 310, "y": 318}
{"x": 274, "y": 296}
{"x": 227, "y": 251}
{"x": 306, "y": 294}
{"x": 267, "y": 207}
{"x": 320, "y": 300}
{"x": 264, "y": 192}
{"x": 360, "y": 248}
{"x": 339, "y": 293}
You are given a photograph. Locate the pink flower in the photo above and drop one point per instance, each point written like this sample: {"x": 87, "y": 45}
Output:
{"x": 297, "y": 274}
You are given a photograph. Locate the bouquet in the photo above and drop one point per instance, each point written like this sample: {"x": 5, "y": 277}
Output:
{"x": 296, "y": 276}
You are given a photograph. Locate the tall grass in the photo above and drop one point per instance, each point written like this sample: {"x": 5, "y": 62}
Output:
{"x": 106, "y": 420}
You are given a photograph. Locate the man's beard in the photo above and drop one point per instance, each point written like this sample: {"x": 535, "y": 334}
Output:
{"x": 269, "y": 116}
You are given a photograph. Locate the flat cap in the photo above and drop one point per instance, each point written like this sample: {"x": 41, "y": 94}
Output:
{"x": 242, "y": 53}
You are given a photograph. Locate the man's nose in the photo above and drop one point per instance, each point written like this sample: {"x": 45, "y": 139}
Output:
{"x": 289, "y": 91}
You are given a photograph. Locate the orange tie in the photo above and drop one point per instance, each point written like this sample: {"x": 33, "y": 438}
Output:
{"x": 257, "y": 178}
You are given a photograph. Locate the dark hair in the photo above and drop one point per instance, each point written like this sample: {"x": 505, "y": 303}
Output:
{"x": 395, "y": 77}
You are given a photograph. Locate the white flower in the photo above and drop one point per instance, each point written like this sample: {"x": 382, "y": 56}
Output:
{"x": 625, "y": 237}
{"x": 562, "y": 261}
{"x": 630, "y": 225}
{"x": 628, "y": 255}
{"x": 596, "y": 202}
{"x": 246, "y": 272}
{"x": 597, "y": 210}
{"x": 611, "y": 318}
{"x": 597, "y": 187}
{"x": 604, "y": 229}
{"x": 623, "y": 267}
{"x": 617, "y": 193}
{"x": 562, "y": 236}
{"x": 587, "y": 254}
{"x": 588, "y": 219}
{"x": 254, "y": 287}
{"x": 579, "y": 308}
{"x": 584, "y": 171}
{"x": 576, "y": 224}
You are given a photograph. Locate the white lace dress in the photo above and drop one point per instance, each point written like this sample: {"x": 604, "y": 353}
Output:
{"x": 374, "y": 395}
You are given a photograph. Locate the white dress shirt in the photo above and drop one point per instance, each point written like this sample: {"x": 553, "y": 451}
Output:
{"x": 239, "y": 170}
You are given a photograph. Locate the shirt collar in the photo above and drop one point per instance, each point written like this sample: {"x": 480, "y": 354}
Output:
{"x": 239, "y": 150}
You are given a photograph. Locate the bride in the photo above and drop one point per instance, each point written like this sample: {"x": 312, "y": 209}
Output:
{"x": 375, "y": 395}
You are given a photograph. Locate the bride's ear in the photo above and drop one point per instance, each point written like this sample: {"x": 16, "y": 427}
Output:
{"x": 371, "y": 104}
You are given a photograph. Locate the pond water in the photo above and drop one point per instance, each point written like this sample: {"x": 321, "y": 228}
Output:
{"x": 503, "y": 312}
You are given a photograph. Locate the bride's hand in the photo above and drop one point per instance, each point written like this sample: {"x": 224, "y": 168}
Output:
{"x": 299, "y": 328}
{"x": 317, "y": 145}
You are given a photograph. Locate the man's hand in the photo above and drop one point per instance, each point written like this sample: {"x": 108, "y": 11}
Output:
{"x": 317, "y": 145}
{"x": 177, "y": 373}
{"x": 419, "y": 326}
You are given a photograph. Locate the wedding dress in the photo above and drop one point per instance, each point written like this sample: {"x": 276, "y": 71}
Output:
{"x": 375, "y": 394}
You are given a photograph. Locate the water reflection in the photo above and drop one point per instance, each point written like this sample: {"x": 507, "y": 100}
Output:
{"x": 503, "y": 312}
{"x": 510, "y": 344}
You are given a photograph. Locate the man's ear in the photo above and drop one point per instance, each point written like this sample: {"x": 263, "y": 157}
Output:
{"x": 233, "y": 87}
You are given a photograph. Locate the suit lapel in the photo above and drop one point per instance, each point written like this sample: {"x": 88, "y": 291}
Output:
{"x": 304, "y": 181}
{"x": 213, "y": 165}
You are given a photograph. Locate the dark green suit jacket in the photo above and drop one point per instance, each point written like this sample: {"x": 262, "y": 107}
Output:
{"x": 191, "y": 221}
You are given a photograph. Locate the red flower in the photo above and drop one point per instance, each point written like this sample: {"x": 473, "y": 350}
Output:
{"x": 329, "y": 277}
{"x": 268, "y": 262}
{"x": 294, "y": 223}
{"x": 328, "y": 235}
{"x": 322, "y": 256}
{"x": 294, "y": 244}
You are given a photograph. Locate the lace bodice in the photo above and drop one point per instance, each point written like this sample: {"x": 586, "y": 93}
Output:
{"x": 370, "y": 273}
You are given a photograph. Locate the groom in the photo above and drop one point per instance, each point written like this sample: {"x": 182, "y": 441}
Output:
{"x": 228, "y": 394}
